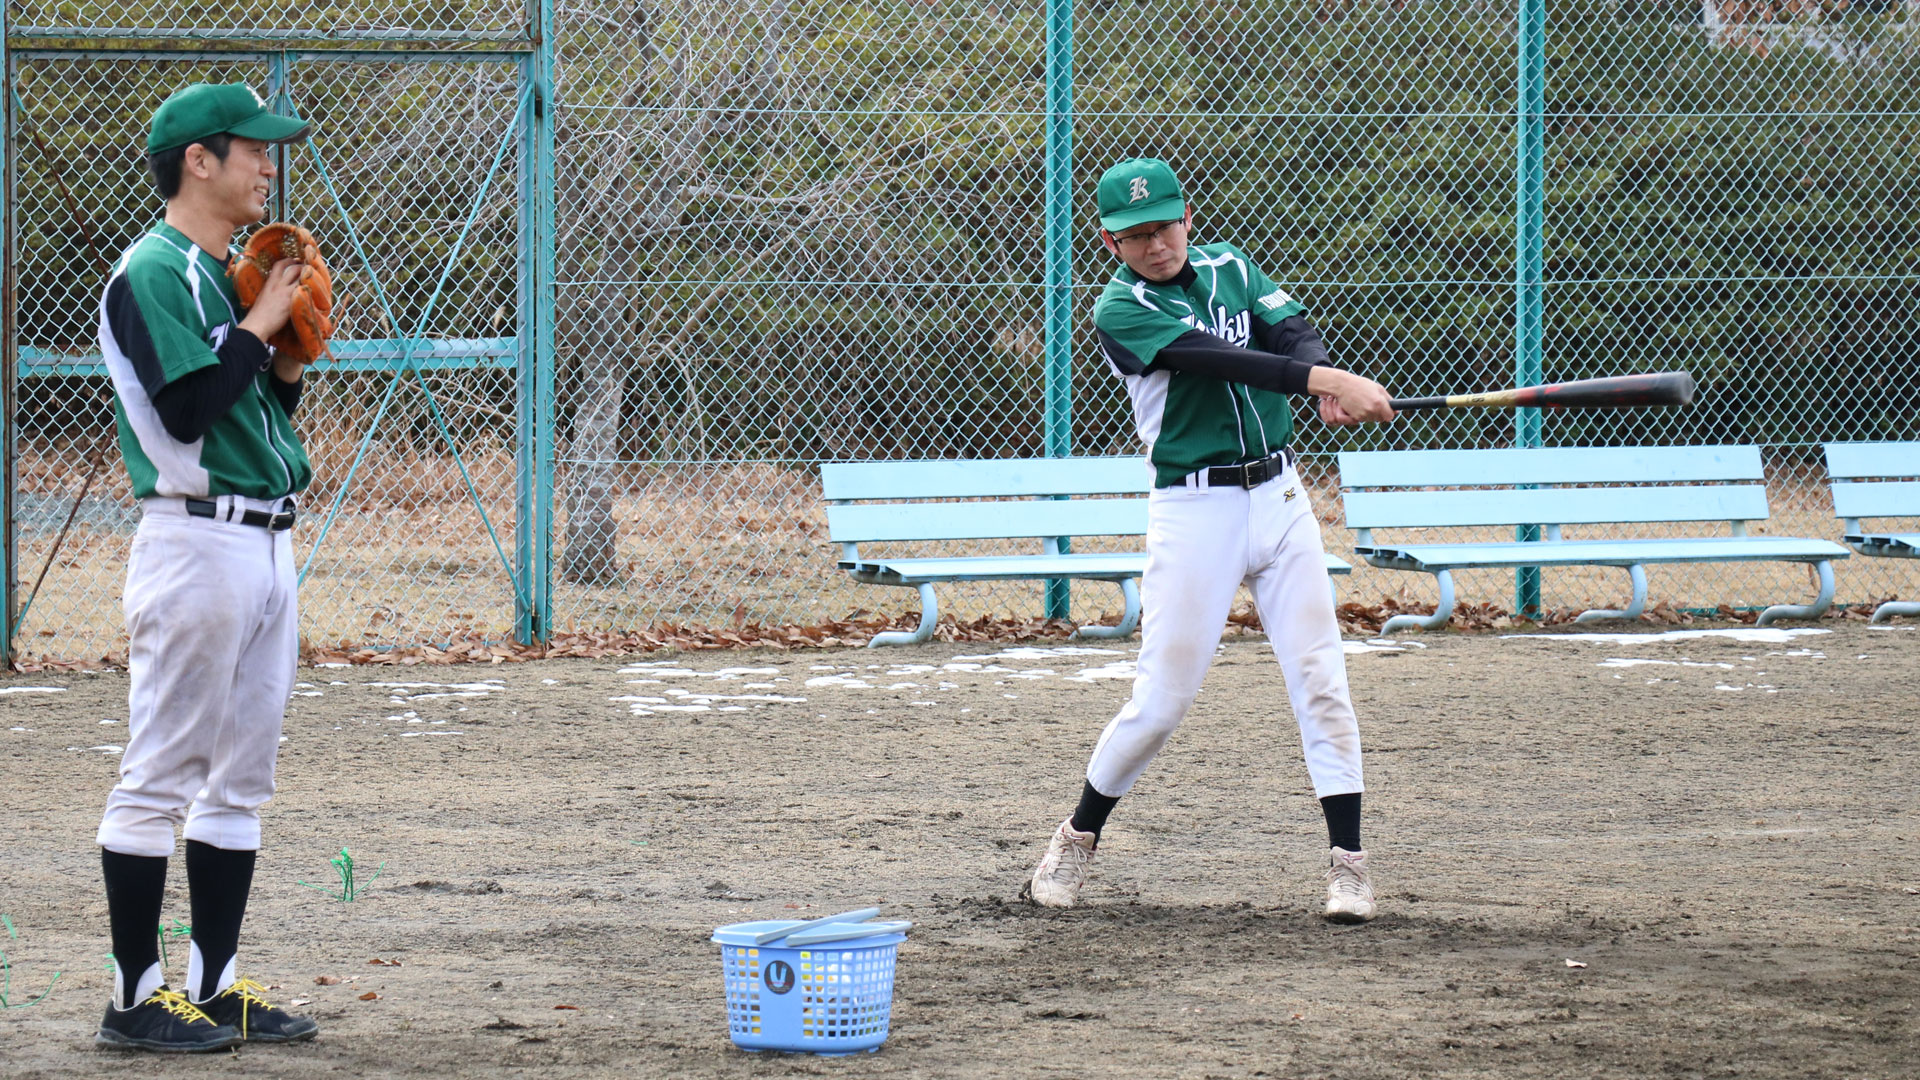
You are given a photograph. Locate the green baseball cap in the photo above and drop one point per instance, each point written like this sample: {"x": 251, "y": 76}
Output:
{"x": 1139, "y": 190}
{"x": 195, "y": 112}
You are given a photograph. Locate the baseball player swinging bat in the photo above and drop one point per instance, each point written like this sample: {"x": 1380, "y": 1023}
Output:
{"x": 1618, "y": 392}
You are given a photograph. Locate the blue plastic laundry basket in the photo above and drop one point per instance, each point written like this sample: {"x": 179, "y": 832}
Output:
{"x": 825, "y": 997}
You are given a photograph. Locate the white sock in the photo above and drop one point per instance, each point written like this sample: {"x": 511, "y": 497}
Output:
{"x": 150, "y": 980}
{"x": 197, "y": 969}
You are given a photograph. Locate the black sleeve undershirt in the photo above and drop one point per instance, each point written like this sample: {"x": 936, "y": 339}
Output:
{"x": 288, "y": 393}
{"x": 190, "y": 404}
{"x": 1294, "y": 337}
{"x": 1199, "y": 353}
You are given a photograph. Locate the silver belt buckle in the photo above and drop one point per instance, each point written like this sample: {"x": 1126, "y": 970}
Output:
{"x": 1269, "y": 467}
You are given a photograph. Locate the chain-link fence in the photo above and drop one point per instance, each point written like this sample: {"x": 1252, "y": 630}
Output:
{"x": 790, "y": 231}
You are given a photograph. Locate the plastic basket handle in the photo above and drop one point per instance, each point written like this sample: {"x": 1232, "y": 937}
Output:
{"x": 862, "y": 915}
{"x": 847, "y": 932}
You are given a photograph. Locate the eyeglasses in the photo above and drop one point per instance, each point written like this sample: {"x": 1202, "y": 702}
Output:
{"x": 1142, "y": 241}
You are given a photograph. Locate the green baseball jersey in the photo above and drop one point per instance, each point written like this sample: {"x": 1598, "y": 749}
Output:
{"x": 1190, "y": 422}
{"x": 167, "y": 307}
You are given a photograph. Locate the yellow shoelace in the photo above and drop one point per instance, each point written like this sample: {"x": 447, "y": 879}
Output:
{"x": 176, "y": 1003}
{"x": 250, "y": 993}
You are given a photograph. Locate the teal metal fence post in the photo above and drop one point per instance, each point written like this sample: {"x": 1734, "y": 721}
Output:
{"x": 1059, "y": 255}
{"x": 280, "y": 95}
{"x": 9, "y": 358}
{"x": 533, "y": 547}
{"x": 1529, "y": 212}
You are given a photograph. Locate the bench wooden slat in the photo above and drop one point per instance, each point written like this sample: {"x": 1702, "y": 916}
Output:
{"x": 1602, "y": 552}
{"x": 985, "y": 478}
{"x": 1554, "y": 506}
{"x": 1877, "y": 498}
{"x": 975, "y": 521}
{"x": 1095, "y": 565}
{"x": 1548, "y": 465}
{"x": 1851, "y": 460}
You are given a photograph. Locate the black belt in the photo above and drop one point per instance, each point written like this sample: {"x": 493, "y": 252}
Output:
{"x": 279, "y": 522}
{"x": 1250, "y": 474}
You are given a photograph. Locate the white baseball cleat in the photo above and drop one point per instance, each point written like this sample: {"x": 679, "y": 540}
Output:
{"x": 1063, "y": 870}
{"x": 1349, "y": 890}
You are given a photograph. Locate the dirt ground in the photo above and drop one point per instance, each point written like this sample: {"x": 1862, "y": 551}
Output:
{"x": 1721, "y": 829}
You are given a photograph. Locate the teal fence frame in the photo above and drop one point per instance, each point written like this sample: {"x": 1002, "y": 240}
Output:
{"x": 528, "y": 353}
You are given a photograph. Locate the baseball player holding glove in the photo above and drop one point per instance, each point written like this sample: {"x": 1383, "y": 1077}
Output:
{"x": 203, "y": 412}
{"x": 1211, "y": 352}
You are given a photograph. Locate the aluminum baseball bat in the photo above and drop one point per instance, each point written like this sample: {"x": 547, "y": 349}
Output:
{"x": 1616, "y": 392}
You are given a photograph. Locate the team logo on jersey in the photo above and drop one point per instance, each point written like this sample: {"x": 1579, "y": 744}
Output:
{"x": 1275, "y": 300}
{"x": 1137, "y": 190}
{"x": 218, "y": 336}
{"x": 1288, "y": 495}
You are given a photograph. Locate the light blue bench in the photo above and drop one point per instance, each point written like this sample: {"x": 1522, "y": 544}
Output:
{"x": 1860, "y": 474}
{"x": 872, "y": 502}
{"x": 1554, "y": 487}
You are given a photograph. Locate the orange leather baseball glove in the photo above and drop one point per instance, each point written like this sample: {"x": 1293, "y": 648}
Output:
{"x": 310, "y": 323}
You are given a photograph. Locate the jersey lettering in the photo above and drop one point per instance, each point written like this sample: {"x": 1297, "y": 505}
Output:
{"x": 1232, "y": 328}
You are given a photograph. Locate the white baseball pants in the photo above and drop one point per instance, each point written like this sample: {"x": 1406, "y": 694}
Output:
{"x": 213, "y": 638}
{"x": 1202, "y": 543}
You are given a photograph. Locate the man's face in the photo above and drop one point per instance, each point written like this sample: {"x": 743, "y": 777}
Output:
{"x": 242, "y": 182}
{"x": 1156, "y": 250}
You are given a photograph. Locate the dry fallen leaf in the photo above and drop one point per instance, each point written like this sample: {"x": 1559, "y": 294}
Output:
{"x": 575, "y": 1008}
{"x": 1575, "y": 964}
{"x": 384, "y": 963}
{"x": 297, "y": 1002}
{"x": 369, "y": 996}
{"x": 326, "y": 980}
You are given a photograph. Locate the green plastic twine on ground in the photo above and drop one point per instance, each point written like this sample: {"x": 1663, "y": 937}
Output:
{"x": 343, "y": 866}
{"x": 6, "y": 974}
{"x": 177, "y": 930}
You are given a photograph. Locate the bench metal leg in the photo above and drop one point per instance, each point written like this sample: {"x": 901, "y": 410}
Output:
{"x": 929, "y": 614}
{"x": 1130, "y": 591}
{"x": 1891, "y": 608}
{"x": 1634, "y": 607}
{"x": 1441, "y": 613}
{"x": 1805, "y": 611}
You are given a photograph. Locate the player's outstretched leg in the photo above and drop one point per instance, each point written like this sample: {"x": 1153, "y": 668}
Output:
{"x": 1195, "y": 550}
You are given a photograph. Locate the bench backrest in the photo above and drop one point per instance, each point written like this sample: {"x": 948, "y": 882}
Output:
{"x": 1646, "y": 484}
{"x": 1027, "y": 493}
{"x": 1862, "y": 487}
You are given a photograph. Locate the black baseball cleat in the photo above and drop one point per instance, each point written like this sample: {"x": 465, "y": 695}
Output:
{"x": 166, "y": 1023}
{"x": 244, "y": 1006}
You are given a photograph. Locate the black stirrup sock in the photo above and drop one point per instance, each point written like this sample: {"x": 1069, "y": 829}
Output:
{"x": 1091, "y": 814}
{"x": 218, "y": 882}
{"x": 136, "y": 885}
{"x": 1343, "y": 820}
